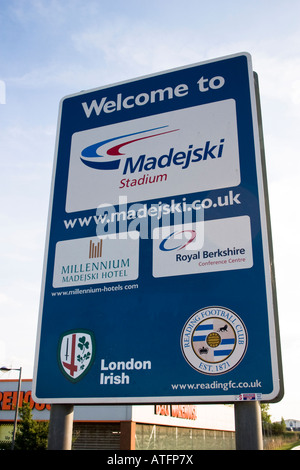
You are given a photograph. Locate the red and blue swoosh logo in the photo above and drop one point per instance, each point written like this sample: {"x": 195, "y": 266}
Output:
{"x": 166, "y": 246}
{"x": 91, "y": 158}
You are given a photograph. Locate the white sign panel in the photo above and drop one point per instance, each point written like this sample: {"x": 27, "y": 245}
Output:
{"x": 227, "y": 245}
{"x": 163, "y": 155}
{"x": 97, "y": 261}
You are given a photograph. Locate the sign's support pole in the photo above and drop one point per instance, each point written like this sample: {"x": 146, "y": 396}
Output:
{"x": 61, "y": 427}
{"x": 248, "y": 426}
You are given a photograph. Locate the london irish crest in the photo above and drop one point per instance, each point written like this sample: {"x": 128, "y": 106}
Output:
{"x": 214, "y": 340}
{"x": 76, "y": 351}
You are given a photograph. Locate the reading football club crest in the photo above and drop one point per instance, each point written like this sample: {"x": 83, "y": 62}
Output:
{"x": 76, "y": 351}
{"x": 214, "y": 340}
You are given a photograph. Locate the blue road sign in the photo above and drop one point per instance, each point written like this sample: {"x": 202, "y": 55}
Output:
{"x": 157, "y": 283}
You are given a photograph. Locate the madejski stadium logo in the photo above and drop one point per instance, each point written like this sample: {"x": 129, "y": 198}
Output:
{"x": 170, "y": 243}
{"x": 91, "y": 158}
{"x": 103, "y": 156}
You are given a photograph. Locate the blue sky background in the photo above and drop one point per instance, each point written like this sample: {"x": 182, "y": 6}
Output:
{"x": 53, "y": 48}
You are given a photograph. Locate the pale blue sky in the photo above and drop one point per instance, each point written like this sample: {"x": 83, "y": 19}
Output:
{"x": 52, "y": 48}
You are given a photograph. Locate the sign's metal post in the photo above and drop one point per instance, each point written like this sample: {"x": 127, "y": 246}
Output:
{"x": 248, "y": 427}
{"x": 61, "y": 427}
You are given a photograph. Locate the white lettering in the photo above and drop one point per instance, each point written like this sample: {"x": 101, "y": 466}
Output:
{"x": 132, "y": 364}
{"x": 93, "y": 106}
{"x": 214, "y": 83}
{"x": 140, "y": 100}
{"x": 108, "y": 377}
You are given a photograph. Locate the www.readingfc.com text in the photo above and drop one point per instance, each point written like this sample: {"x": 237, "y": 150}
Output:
{"x": 107, "y": 216}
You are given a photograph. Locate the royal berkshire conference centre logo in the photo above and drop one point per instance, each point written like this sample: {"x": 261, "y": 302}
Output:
{"x": 214, "y": 340}
{"x": 177, "y": 240}
{"x": 76, "y": 352}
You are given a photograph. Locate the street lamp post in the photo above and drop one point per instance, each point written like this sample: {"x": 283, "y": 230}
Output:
{"x": 7, "y": 369}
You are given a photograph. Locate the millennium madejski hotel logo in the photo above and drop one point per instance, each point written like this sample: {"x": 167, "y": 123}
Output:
{"x": 93, "y": 260}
